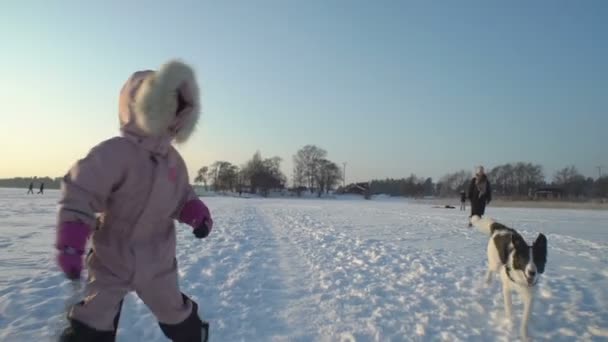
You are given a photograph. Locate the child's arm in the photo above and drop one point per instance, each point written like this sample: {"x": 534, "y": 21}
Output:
{"x": 196, "y": 214}
{"x": 85, "y": 189}
{"x": 191, "y": 210}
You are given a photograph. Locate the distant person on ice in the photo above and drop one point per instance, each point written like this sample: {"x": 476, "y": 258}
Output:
{"x": 463, "y": 201}
{"x": 139, "y": 184}
{"x": 480, "y": 192}
{"x": 31, "y": 190}
{"x": 41, "y": 189}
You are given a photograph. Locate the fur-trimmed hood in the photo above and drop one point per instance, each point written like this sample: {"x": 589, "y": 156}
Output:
{"x": 161, "y": 105}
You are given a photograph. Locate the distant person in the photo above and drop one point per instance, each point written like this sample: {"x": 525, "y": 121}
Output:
{"x": 31, "y": 190}
{"x": 480, "y": 193}
{"x": 463, "y": 201}
{"x": 41, "y": 189}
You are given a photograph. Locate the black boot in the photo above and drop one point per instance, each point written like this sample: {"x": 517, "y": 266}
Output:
{"x": 80, "y": 332}
{"x": 192, "y": 329}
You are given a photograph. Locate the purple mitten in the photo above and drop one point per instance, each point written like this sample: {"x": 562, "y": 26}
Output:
{"x": 196, "y": 214}
{"x": 71, "y": 241}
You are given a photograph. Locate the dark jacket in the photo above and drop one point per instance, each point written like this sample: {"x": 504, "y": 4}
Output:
{"x": 477, "y": 193}
{"x": 480, "y": 194}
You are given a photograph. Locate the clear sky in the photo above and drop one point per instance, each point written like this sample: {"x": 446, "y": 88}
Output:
{"x": 391, "y": 87}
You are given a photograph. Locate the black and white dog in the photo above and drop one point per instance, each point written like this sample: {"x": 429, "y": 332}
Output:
{"x": 518, "y": 264}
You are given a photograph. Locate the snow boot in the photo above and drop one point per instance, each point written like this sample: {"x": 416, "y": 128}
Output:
{"x": 192, "y": 329}
{"x": 80, "y": 332}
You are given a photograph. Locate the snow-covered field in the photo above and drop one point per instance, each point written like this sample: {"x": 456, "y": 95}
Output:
{"x": 328, "y": 270}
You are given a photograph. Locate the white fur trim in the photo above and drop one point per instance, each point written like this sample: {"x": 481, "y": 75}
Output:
{"x": 156, "y": 102}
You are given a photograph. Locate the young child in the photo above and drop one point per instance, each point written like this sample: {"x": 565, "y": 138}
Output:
{"x": 138, "y": 184}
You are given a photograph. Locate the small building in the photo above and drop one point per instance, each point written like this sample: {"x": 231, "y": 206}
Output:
{"x": 548, "y": 193}
{"x": 362, "y": 189}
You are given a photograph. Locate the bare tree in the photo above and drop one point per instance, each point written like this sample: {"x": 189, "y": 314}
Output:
{"x": 453, "y": 183}
{"x": 601, "y": 187}
{"x": 516, "y": 179}
{"x": 429, "y": 187}
{"x": 263, "y": 174}
{"x": 224, "y": 175}
{"x": 299, "y": 178}
{"x": 565, "y": 175}
{"x": 307, "y": 162}
{"x": 201, "y": 176}
{"x": 250, "y": 169}
{"x": 572, "y": 182}
{"x": 328, "y": 175}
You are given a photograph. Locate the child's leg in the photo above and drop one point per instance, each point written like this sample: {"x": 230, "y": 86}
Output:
{"x": 192, "y": 329}
{"x": 96, "y": 317}
{"x": 176, "y": 313}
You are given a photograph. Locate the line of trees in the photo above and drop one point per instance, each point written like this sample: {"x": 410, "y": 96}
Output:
{"x": 453, "y": 183}
{"x": 409, "y": 187}
{"x": 256, "y": 175}
{"x": 315, "y": 173}
{"x": 514, "y": 180}
{"x": 517, "y": 179}
{"x": 521, "y": 179}
{"x": 574, "y": 184}
{"x": 312, "y": 172}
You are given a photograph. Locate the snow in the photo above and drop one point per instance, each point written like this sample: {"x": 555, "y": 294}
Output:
{"x": 328, "y": 270}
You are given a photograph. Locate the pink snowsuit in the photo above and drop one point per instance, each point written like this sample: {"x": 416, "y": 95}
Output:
{"x": 138, "y": 184}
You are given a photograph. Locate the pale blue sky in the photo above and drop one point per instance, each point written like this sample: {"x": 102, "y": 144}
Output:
{"x": 391, "y": 87}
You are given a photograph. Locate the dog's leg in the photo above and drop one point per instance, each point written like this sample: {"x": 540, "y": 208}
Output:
{"x": 526, "y": 295}
{"x": 494, "y": 264}
{"x": 489, "y": 277}
{"x": 506, "y": 292}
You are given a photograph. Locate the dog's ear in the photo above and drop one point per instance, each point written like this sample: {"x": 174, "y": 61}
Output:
{"x": 539, "y": 249}
{"x": 518, "y": 242}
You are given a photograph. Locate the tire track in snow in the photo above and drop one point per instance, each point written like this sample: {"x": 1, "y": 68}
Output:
{"x": 366, "y": 290}
{"x": 391, "y": 289}
{"x": 234, "y": 275}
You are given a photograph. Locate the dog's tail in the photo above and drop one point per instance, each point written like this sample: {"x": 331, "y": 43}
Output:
{"x": 483, "y": 224}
